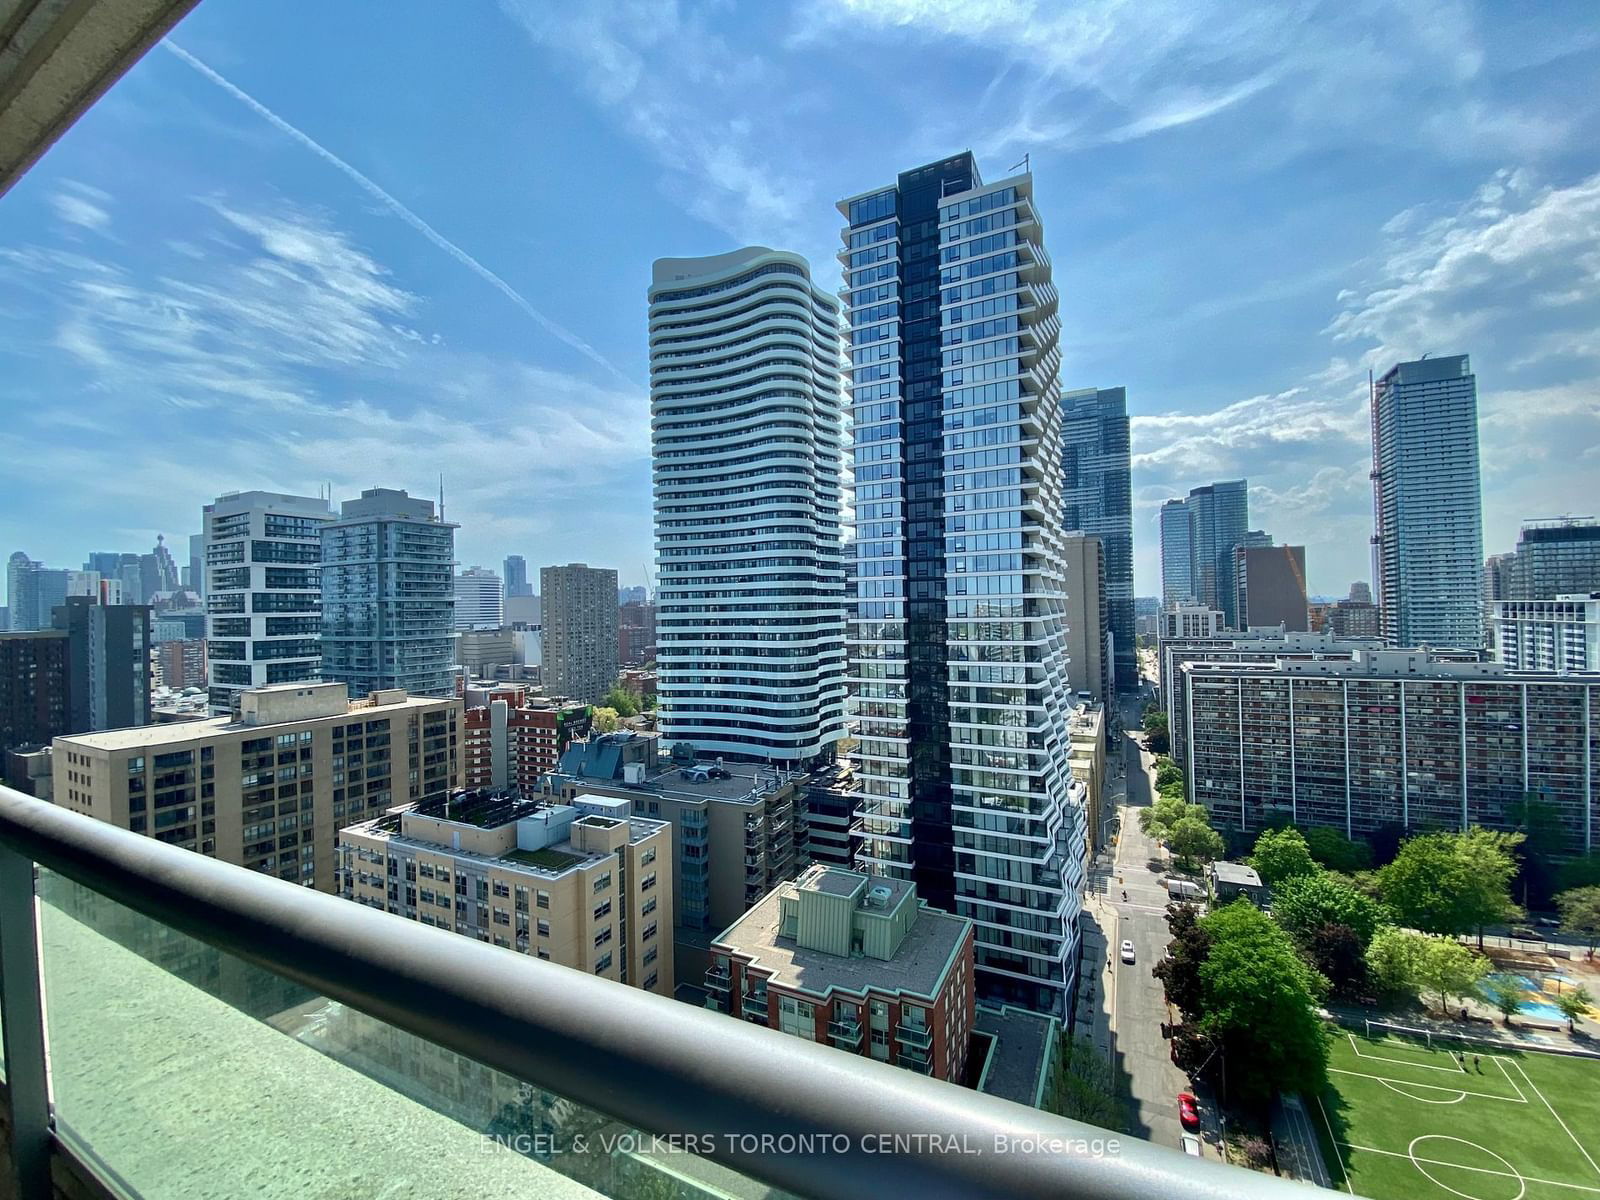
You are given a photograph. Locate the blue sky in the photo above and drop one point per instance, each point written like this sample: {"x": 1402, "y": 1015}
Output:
{"x": 361, "y": 244}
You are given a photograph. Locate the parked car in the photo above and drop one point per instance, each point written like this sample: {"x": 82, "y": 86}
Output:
{"x": 1127, "y": 952}
{"x": 1522, "y": 931}
{"x": 1191, "y": 1145}
{"x": 1188, "y": 1111}
{"x": 1548, "y": 922}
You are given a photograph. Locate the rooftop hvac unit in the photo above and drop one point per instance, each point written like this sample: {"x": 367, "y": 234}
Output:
{"x": 878, "y": 896}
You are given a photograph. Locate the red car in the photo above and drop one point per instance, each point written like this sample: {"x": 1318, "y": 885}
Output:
{"x": 1187, "y": 1112}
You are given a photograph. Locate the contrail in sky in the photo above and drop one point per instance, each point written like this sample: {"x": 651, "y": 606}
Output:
{"x": 559, "y": 332}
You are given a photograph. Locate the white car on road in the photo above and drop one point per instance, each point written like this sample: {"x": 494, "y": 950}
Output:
{"x": 1127, "y": 952}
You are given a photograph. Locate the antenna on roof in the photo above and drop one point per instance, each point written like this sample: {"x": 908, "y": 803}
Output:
{"x": 441, "y": 496}
{"x": 1024, "y": 164}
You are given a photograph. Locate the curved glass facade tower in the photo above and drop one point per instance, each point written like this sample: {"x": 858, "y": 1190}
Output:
{"x": 958, "y": 636}
{"x": 747, "y": 429}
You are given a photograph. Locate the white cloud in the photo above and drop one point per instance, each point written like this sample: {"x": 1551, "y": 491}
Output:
{"x": 708, "y": 111}
{"x": 1514, "y": 252}
{"x": 83, "y": 206}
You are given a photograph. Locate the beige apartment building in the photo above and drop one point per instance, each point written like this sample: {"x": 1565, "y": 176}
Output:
{"x": 270, "y": 790}
{"x": 581, "y": 884}
{"x": 1086, "y": 732}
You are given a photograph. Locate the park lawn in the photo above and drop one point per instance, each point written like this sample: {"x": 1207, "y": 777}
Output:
{"x": 1402, "y": 1122}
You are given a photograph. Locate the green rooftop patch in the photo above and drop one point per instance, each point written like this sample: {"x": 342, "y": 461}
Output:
{"x": 549, "y": 860}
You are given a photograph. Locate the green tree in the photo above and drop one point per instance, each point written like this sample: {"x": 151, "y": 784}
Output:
{"x": 1083, "y": 1087}
{"x": 1580, "y": 872}
{"x": 1179, "y": 970}
{"x": 1452, "y": 883}
{"x": 1168, "y": 773}
{"x": 606, "y": 720}
{"x": 1307, "y": 902}
{"x": 1394, "y": 958}
{"x": 1338, "y": 954}
{"x": 622, "y": 700}
{"x": 1281, "y": 854}
{"x": 1504, "y": 995}
{"x": 1580, "y": 913}
{"x": 1446, "y": 968}
{"x": 1158, "y": 820}
{"x": 1159, "y": 741}
{"x": 1194, "y": 841}
{"x": 1573, "y": 1003}
{"x": 1336, "y": 852}
{"x": 1260, "y": 1003}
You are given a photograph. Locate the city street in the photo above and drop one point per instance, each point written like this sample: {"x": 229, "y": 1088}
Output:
{"x": 1137, "y": 1003}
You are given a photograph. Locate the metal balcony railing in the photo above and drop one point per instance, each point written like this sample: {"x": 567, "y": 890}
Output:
{"x": 754, "y": 1100}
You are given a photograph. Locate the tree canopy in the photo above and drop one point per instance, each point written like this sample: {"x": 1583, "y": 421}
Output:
{"x": 622, "y": 701}
{"x": 1580, "y": 913}
{"x": 1336, "y": 852}
{"x": 1452, "y": 883}
{"x": 1307, "y": 902}
{"x": 1282, "y": 854}
{"x": 1404, "y": 962}
{"x": 1260, "y": 1002}
{"x": 1179, "y": 971}
{"x": 1194, "y": 841}
{"x": 606, "y": 720}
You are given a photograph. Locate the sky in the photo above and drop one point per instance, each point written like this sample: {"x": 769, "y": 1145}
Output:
{"x": 337, "y": 246}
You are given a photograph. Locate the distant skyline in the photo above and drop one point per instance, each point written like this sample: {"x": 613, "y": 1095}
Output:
{"x": 300, "y": 246}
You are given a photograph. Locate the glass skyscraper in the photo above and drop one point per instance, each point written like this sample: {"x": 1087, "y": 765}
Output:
{"x": 957, "y": 631}
{"x": 1428, "y": 532}
{"x": 388, "y": 595}
{"x": 1177, "y": 586}
{"x": 1097, "y": 498}
{"x": 1219, "y": 518}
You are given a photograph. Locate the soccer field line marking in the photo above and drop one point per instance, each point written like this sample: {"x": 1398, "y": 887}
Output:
{"x": 1397, "y": 1084}
{"x": 1454, "y": 1068}
{"x": 1535, "y": 1089}
{"x": 1510, "y": 1078}
{"x": 1439, "y": 1162}
{"x": 1333, "y": 1141}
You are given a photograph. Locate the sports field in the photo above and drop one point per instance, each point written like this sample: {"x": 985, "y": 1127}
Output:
{"x": 1401, "y": 1121}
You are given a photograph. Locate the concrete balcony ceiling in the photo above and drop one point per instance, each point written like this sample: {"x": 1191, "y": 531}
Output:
{"x": 57, "y": 57}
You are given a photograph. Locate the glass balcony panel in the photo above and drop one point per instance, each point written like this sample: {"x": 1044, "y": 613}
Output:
{"x": 180, "y": 1071}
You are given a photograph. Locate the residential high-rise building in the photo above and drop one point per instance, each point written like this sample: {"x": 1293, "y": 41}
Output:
{"x": 1089, "y": 637}
{"x": 516, "y": 571}
{"x": 181, "y": 664}
{"x": 33, "y": 592}
{"x": 511, "y": 739}
{"x": 1270, "y": 587}
{"x": 263, "y": 591}
{"x": 108, "y": 663}
{"x": 734, "y": 839}
{"x": 1554, "y": 558}
{"x": 854, "y": 961}
{"x": 220, "y": 787}
{"x": 1560, "y": 634}
{"x": 957, "y": 639}
{"x": 1258, "y": 647}
{"x": 480, "y": 599}
{"x": 579, "y": 612}
{"x": 1219, "y": 520}
{"x": 1097, "y": 498}
{"x": 195, "y": 573}
{"x": 1360, "y": 593}
{"x": 636, "y": 633}
{"x": 1428, "y": 536}
{"x": 388, "y": 595}
{"x": 1354, "y": 618}
{"x": 1392, "y": 738}
{"x": 1177, "y": 584}
{"x": 35, "y": 688}
{"x": 747, "y": 427}
{"x": 584, "y": 884}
